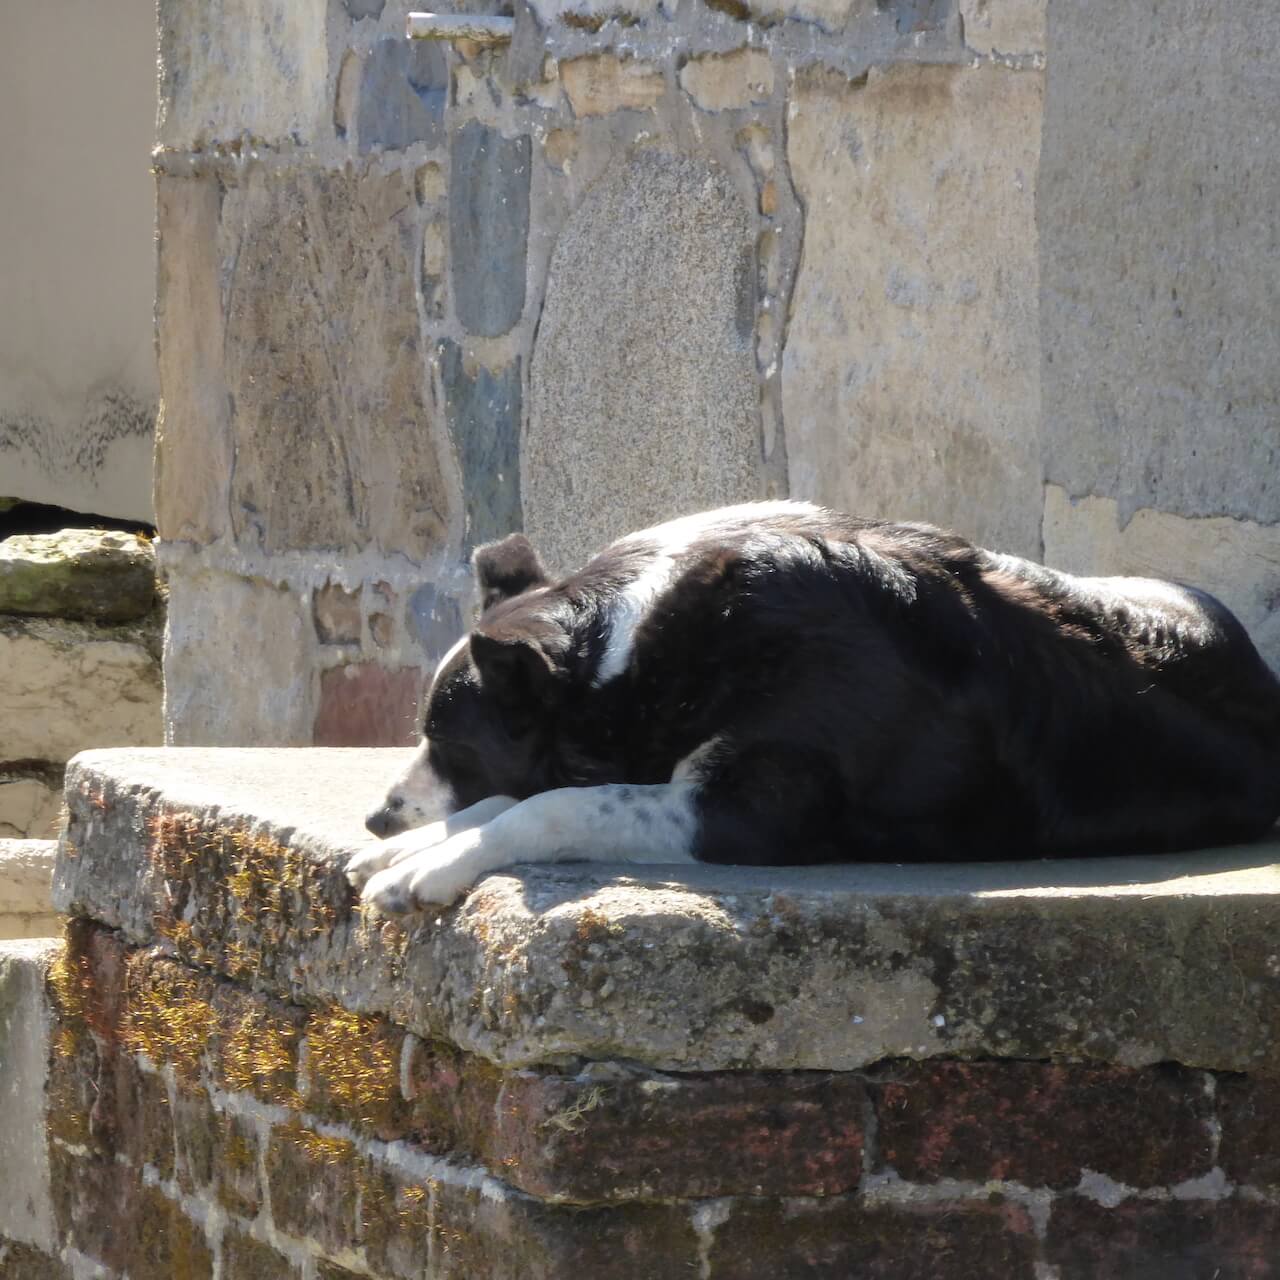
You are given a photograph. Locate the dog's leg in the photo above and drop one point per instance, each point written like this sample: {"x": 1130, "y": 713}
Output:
{"x": 654, "y": 824}
{"x": 368, "y": 862}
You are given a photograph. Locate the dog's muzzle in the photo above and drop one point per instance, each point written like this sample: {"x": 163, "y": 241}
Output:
{"x": 386, "y": 820}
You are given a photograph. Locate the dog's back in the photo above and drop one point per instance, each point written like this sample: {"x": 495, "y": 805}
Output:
{"x": 920, "y": 697}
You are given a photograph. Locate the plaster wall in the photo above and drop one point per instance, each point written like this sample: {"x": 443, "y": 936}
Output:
{"x": 78, "y": 383}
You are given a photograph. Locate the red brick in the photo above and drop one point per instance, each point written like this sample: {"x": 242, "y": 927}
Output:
{"x": 244, "y": 1258}
{"x": 1231, "y": 1239}
{"x": 104, "y": 1210}
{"x": 640, "y": 1137}
{"x": 1249, "y": 1112}
{"x": 842, "y": 1237}
{"x": 22, "y": 1262}
{"x": 315, "y": 1184}
{"x": 518, "y": 1238}
{"x": 1043, "y": 1124}
{"x": 365, "y": 705}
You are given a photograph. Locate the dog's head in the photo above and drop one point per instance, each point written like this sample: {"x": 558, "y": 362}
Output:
{"x": 487, "y": 709}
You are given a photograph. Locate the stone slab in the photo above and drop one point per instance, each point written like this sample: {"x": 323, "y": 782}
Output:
{"x": 71, "y": 685}
{"x": 29, "y": 806}
{"x": 26, "y": 876}
{"x": 643, "y": 391}
{"x": 488, "y": 227}
{"x": 331, "y": 426}
{"x": 910, "y": 377}
{"x": 1159, "y": 271}
{"x": 98, "y": 574}
{"x": 236, "y": 67}
{"x": 26, "y": 1208}
{"x": 1124, "y": 960}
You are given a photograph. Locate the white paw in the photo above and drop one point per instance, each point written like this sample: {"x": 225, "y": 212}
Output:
{"x": 361, "y": 866}
{"x": 387, "y": 853}
{"x": 433, "y": 876}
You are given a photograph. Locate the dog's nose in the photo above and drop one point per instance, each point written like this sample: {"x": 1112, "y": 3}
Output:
{"x": 379, "y": 822}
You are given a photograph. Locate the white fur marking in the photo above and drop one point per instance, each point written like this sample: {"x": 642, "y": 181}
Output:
{"x": 368, "y": 862}
{"x": 649, "y": 824}
{"x": 669, "y": 541}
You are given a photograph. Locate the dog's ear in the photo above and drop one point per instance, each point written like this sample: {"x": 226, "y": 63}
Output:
{"x": 522, "y": 671}
{"x": 507, "y": 568}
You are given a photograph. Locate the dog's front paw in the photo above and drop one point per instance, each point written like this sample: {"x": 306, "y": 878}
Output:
{"x": 361, "y": 867}
{"x": 436, "y": 876}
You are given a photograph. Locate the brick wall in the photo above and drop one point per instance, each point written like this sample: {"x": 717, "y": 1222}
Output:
{"x": 738, "y": 1074}
{"x": 200, "y": 1130}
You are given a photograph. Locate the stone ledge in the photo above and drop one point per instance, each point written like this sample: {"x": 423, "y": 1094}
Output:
{"x": 26, "y": 1211}
{"x": 26, "y": 876}
{"x": 232, "y": 860}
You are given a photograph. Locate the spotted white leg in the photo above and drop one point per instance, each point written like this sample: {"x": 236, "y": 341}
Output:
{"x": 653, "y": 824}
{"x": 387, "y": 853}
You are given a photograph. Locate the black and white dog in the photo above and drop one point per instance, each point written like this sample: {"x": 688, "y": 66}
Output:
{"x": 777, "y": 683}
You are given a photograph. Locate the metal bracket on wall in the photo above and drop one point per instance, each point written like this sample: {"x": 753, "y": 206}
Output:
{"x": 459, "y": 26}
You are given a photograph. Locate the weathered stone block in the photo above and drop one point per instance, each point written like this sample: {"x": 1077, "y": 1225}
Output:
{"x": 220, "y": 627}
{"x": 71, "y": 685}
{"x": 26, "y": 1206}
{"x": 403, "y": 86}
{"x": 337, "y": 614}
{"x": 1237, "y": 560}
{"x": 26, "y": 876}
{"x": 643, "y": 394}
{"x": 29, "y": 808}
{"x": 844, "y": 1236}
{"x": 97, "y": 574}
{"x": 366, "y": 705}
{"x": 483, "y": 410}
{"x": 727, "y": 81}
{"x": 1004, "y": 26}
{"x": 601, "y": 83}
{"x": 1158, "y": 260}
{"x": 1231, "y": 1239}
{"x": 333, "y": 444}
{"x": 193, "y": 445}
{"x": 1044, "y": 1125}
{"x": 910, "y": 377}
{"x": 434, "y": 620}
{"x": 488, "y": 227}
{"x": 236, "y": 67}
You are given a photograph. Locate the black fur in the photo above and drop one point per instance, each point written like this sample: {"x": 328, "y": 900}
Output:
{"x": 880, "y": 691}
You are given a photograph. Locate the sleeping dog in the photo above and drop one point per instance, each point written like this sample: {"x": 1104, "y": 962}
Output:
{"x": 778, "y": 683}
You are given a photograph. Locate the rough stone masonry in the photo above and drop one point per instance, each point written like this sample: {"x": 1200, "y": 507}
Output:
{"x": 1038, "y": 1070}
{"x": 1005, "y": 268}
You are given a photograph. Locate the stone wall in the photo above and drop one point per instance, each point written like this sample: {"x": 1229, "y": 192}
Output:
{"x": 77, "y": 343}
{"x": 80, "y": 635}
{"x": 1022, "y": 1070}
{"x": 947, "y": 260}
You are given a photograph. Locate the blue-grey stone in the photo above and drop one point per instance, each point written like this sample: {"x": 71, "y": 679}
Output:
{"x": 488, "y": 227}
{"x": 483, "y": 413}
{"x": 433, "y": 619}
{"x": 402, "y": 94}
{"x": 364, "y": 8}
